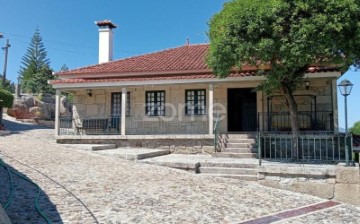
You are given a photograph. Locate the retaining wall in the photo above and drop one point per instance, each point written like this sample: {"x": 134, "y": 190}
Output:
{"x": 339, "y": 182}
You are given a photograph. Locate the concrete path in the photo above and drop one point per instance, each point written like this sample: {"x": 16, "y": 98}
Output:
{"x": 79, "y": 186}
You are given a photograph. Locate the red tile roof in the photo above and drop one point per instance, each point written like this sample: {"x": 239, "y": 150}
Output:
{"x": 185, "y": 58}
{"x": 185, "y": 62}
{"x": 150, "y": 78}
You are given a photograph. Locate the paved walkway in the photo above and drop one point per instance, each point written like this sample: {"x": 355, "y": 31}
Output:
{"x": 79, "y": 186}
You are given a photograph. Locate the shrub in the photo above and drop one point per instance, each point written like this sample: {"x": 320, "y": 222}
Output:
{"x": 6, "y": 98}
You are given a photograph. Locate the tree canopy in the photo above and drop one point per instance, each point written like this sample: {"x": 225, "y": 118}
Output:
{"x": 35, "y": 69}
{"x": 355, "y": 129}
{"x": 286, "y": 36}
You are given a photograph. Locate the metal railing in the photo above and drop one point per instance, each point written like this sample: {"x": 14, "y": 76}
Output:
{"x": 166, "y": 126}
{"x": 216, "y": 132}
{"x": 90, "y": 125}
{"x": 133, "y": 126}
{"x": 312, "y": 147}
{"x": 308, "y": 120}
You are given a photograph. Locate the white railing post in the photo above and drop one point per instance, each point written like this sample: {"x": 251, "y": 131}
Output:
{"x": 123, "y": 110}
{"x": 211, "y": 109}
{"x": 57, "y": 112}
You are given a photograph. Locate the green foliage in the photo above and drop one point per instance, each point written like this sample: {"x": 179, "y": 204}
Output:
{"x": 64, "y": 68}
{"x": 38, "y": 81}
{"x": 35, "y": 70}
{"x": 356, "y": 128}
{"x": 9, "y": 86}
{"x": 287, "y": 35}
{"x": 6, "y": 98}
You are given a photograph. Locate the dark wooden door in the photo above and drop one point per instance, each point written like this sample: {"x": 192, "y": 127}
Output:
{"x": 241, "y": 110}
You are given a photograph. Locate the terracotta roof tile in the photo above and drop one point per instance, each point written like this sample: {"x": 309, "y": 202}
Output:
{"x": 185, "y": 58}
{"x": 148, "y": 78}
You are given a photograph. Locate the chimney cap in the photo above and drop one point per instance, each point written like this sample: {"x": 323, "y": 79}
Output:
{"x": 105, "y": 23}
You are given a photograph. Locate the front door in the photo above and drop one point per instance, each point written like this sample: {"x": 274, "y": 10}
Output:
{"x": 241, "y": 110}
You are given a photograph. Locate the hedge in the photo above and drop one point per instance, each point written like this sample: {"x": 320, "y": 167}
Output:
{"x": 6, "y": 98}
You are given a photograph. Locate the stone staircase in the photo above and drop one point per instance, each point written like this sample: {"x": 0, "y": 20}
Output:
{"x": 237, "y": 146}
{"x": 243, "y": 171}
{"x": 242, "y": 149}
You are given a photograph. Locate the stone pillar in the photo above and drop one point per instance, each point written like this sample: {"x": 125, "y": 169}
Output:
{"x": 123, "y": 110}
{"x": 211, "y": 109}
{"x": 57, "y": 112}
{"x": 17, "y": 91}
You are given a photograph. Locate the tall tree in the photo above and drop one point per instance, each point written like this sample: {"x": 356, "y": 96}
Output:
{"x": 35, "y": 69}
{"x": 286, "y": 36}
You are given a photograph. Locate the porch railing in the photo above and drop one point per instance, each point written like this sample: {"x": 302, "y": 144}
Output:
{"x": 313, "y": 147}
{"x": 133, "y": 126}
{"x": 216, "y": 132}
{"x": 164, "y": 126}
{"x": 90, "y": 125}
{"x": 308, "y": 120}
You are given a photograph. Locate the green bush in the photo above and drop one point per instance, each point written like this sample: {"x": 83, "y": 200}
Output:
{"x": 6, "y": 98}
{"x": 356, "y": 128}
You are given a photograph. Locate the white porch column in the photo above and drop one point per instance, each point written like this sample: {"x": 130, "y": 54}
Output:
{"x": 211, "y": 109}
{"x": 123, "y": 110}
{"x": 57, "y": 112}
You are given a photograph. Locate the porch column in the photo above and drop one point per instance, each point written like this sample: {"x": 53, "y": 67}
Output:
{"x": 211, "y": 109}
{"x": 123, "y": 110}
{"x": 57, "y": 112}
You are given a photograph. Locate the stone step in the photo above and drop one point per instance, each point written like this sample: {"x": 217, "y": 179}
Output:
{"x": 134, "y": 153}
{"x": 240, "y": 145}
{"x": 228, "y": 170}
{"x": 250, "y": 163}
{"x": 247, "y": 140}
{"x": 240, "y": 150}
{"x": 234, "y": 155}
{"x": 239, "y": 136}
{"x": 102, "y": 147}
{"x": 233, "y": 176}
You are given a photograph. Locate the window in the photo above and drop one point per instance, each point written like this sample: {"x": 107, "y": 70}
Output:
{"x": 116, "y": 104}
{"x": 195, "y": 102}
{"x": 155, "y": 103}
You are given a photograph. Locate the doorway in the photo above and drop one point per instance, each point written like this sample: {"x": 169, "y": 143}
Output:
{"x": 242, "y": 111}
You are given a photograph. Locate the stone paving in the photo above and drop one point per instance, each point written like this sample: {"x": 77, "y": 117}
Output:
{"x": 79, "y": 186}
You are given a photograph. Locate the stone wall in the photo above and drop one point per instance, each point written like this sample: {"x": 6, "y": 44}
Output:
{"x": 326, "y": 181}
{"x": 175, "y": 145}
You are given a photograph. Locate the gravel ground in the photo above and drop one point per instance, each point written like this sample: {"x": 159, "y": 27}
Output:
{"x": 84, "y": 187}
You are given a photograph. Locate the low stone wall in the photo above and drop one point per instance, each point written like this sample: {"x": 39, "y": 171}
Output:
{"x": 326, "y": 181}
{"x": 4, "y": 219}
{"x": 176, "y": 145}
{"x": 347, "y": 187}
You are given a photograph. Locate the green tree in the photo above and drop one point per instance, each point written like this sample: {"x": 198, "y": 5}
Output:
{"x": 64, "y": 68}
{"x": 282, "y": 38}
{"x": 35, "y": 70}
{"x": 355, "y": 129}
{"x": 9, "y": 86}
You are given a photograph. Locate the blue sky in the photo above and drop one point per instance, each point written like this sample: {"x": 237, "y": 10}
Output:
{"x": 70, "y": 35}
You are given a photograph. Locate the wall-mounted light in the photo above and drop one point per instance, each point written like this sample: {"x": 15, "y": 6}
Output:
{"x": 307, "y": 83}
{"x": 88, "y": 92}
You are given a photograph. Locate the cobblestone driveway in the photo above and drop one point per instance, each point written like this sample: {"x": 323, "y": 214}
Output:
{"x": 84, "y": 187}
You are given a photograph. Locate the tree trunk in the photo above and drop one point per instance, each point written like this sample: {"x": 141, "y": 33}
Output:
{"x": 291, "y": 103}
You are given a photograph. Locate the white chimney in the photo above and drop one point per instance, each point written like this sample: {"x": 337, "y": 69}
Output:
{"x": 105, "y": 40}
